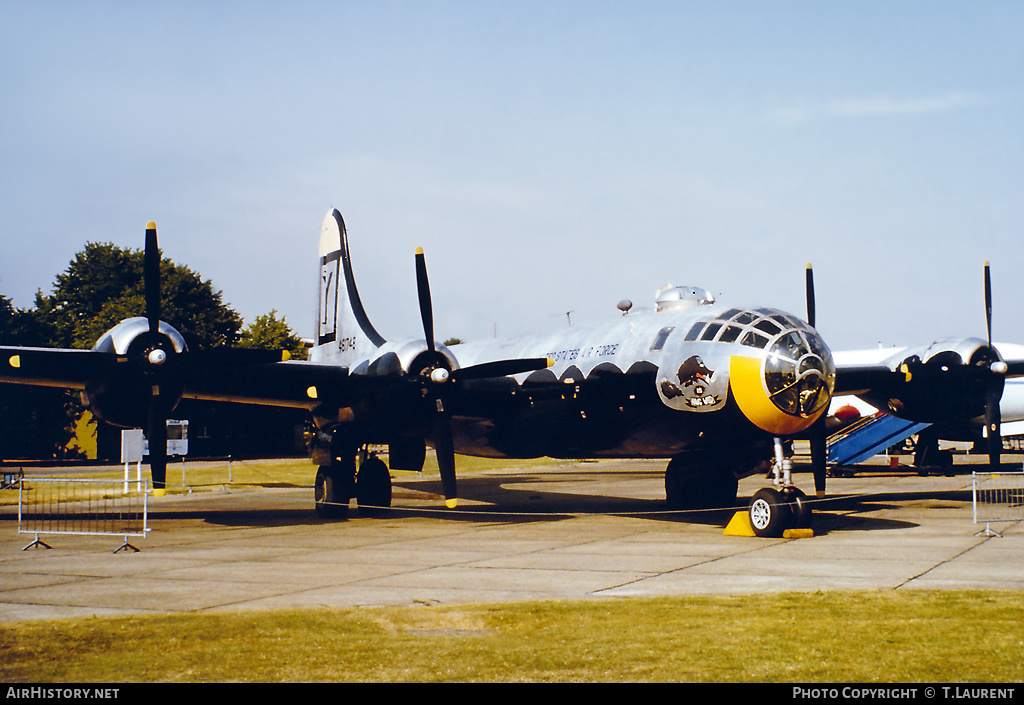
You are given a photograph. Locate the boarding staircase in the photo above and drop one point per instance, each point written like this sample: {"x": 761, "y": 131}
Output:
{"x": 869, "y": 436}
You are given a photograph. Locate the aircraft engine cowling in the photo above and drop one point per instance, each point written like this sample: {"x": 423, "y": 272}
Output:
{"x": 946, "y": 382}
{"x": 148, "y": 368}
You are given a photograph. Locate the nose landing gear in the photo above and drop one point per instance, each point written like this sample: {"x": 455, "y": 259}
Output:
{"x": 782, "y": 506}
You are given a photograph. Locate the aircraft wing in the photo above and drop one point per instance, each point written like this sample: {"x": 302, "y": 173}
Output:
{"x": 297, "y": 384}
{"x": 234, "y": 375}
{"x": 958, "y": 383}
{"x": 881, "y": 371}
{"x": 50, "y": 367}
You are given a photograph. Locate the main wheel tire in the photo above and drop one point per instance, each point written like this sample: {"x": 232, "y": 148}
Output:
{"x": 770, "y": 513}
{"x": 330, "y": 499}
{"x": 801, "y": 508}
{"x": 697, "y": 483}
{"x": 373, "y": 488}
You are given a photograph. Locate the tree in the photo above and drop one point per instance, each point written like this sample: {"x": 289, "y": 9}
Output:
{"x": 269, "y": 333}
{"x": 104, "y": 285}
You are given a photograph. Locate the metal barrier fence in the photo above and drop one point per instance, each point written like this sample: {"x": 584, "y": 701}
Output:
{"x": 83, "y": 507}
{"x": 998, "y": 496}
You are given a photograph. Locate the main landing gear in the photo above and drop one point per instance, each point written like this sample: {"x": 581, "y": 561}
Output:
{"x": 338, "y": 482}
{"x": 782, "y": 506}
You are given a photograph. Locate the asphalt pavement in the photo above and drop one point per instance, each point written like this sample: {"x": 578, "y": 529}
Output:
{"x": 573, "y": 531}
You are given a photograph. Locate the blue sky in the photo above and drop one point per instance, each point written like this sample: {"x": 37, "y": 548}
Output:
{"x": 549, "y": 156}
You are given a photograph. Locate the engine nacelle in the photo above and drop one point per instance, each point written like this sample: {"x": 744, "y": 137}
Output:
{"x": 398, "y": 407}
{"x": 948, "y": 381}
{"x": 147, "y": 376}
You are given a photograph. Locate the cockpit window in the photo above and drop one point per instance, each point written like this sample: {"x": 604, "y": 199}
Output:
{"x": 799, "y": 372}
{"x": 710, "y": 331}
{"x": 730, "y": 334}
{"x": 694, "y": 332}
{"x": 753, "y": 328}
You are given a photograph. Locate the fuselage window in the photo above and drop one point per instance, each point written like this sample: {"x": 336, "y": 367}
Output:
{"x": 663, "y": 334}
{"x": 729, "y": 314}
{"x": 709, "y": 332}
{"x": 746, "y": 317}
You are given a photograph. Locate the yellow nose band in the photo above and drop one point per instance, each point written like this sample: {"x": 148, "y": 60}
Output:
{"x": 745, "y": 381}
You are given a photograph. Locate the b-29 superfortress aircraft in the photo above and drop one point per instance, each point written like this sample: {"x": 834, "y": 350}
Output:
{"x": 715, "y": 389}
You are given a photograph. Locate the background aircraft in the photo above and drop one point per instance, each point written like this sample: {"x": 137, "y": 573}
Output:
{"x": 715, "y": 389}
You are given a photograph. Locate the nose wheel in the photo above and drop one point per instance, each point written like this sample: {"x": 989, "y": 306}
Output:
{"x": 772, "y": 511}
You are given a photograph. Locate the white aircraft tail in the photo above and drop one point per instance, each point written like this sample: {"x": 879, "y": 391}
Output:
{"x": 344, "y": 332}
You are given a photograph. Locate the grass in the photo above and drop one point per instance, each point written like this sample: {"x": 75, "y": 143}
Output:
{"x": 905, "y": 636}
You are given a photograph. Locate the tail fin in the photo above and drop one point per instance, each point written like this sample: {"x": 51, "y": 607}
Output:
{"x": 344, "y": 332}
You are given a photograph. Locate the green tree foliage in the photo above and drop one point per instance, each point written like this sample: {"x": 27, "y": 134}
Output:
{"x": 104, "y": 285}
{"x": 268, "y": 332}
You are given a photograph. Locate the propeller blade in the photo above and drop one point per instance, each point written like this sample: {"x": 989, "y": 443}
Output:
{"x": 151, "y": 277}
{"x": 157, "y": 418}
{"x": 992, "y": 429}
{"x": 502, "y": 368}
{"x": 988, "y": 303}
{"x": 423, "y": 291}
{"x": 156, "y": 433}
{"x": 809, "y": 281}
{"x": 819, "y": 434}
{"x": 444, "y": 447}
{"x": 819, "y": 454}
{"x": 995, "y": 386}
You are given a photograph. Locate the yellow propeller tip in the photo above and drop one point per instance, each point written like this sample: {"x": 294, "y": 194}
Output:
{"x": 551, "y": 362}
{"x": 151, "y": 225}
{"x": 808, "y": 265}
{"x": 159, "y": 493}
{"x": 419, "y": 250}
{"x": 451, "y": 503}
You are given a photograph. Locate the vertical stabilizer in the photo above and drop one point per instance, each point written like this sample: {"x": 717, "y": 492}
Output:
{"x": 344, "y": 332}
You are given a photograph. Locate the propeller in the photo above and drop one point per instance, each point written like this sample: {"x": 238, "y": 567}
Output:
{"x": 818, "y": 432}
{"x": 163, "y": 369}
{"x": 437, "y": 378}
{"x": 156, "y": 357}
{"x": 993, "y": 386}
